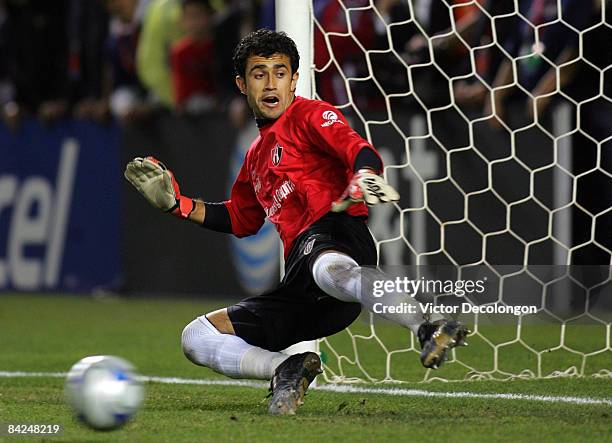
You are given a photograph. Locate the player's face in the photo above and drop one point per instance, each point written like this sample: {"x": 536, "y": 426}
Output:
{"x": 268, "y": 85}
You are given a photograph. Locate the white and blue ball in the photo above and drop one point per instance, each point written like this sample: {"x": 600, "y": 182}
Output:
{"x": 104, "y": 391}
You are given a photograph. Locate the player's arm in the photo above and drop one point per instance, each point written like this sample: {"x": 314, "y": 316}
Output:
{"x": 328, "y": 130}
{"x": 366, "y": 185}
{"x": 239, "y": 215}
{"x": 157, "y": 184}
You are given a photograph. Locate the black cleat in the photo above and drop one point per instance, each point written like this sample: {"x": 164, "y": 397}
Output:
{"x": 438, "y": 337}
{"x": 290, "y": 381}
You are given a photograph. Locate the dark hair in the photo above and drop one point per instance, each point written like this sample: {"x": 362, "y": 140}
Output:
{"x": 265, "y": 43}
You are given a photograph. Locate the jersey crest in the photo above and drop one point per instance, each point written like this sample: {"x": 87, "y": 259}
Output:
{"x": 277, "y": 154}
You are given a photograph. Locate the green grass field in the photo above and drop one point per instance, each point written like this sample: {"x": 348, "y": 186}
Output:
{"x": 50, "y": 333}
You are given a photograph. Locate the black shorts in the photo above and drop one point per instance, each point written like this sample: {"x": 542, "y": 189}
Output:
{"x": 298, "y": 310}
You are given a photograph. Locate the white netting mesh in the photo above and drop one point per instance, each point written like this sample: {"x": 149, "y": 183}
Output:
{"x": 488, "y": 175}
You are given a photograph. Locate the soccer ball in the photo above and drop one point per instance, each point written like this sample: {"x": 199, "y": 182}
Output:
{"x": 103, "y": 391}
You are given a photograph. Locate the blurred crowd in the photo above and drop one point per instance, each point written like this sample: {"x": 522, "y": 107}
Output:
{"x": 127, "y": 59}
{"x": 551, "y": 51}
{"x": 121, "y": 59}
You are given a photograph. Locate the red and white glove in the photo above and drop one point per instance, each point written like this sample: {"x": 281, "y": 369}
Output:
{"x": 156, "y": 182}
{"x": 365, "y": 186}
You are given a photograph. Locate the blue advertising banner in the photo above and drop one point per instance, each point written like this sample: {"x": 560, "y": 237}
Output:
{"x": 59, "y": 207}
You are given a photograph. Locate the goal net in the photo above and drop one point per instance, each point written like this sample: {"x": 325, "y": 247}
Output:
{"x": 494, "y": 120}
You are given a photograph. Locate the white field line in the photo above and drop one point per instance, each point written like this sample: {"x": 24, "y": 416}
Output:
{"x": 349, "y": 389}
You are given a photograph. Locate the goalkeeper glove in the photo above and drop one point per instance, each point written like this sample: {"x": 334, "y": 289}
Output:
{"x": 365, "y": 186}
{"x": 156, "y": 182}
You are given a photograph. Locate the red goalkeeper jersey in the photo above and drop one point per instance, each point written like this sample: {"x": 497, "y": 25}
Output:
{"x": 294, "y": 170}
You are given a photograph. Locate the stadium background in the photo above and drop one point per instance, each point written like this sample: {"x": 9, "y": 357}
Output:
{"x": 65, "y": 74}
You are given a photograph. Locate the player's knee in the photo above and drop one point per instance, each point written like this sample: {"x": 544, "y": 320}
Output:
{"x": 335, "y": 273}
{"x": 192, "y": 337}
{"x": 187, "y": 339}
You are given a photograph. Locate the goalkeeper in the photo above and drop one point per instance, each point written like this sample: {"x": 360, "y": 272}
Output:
{"x": 311, "y": 175}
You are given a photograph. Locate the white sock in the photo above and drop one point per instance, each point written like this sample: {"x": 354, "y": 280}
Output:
{"x": 340, "y": 276}
{"x": 227, "y": 354}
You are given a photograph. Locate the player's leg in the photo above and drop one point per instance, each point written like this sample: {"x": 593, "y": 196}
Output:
{"x": 218, "y": 341}
{"x": 210, "y": 341}
{"x": 274, "y": 321}
{"x": 339, "y": 250}
{"x": 341, "y": 277}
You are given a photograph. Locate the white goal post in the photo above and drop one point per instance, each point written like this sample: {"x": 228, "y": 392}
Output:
{"x": 505, "y": 191}
{"x": 294, "y": 18}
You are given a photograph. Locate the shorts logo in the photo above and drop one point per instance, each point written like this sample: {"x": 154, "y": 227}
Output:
{"x": 276, "y": 153}
{"x": 309, "y": 245}
{"x": 330, "y": 118}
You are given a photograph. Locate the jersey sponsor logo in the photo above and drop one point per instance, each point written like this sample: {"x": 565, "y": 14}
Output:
{"x": 281, "y": 193}
{"x": 276, "y": 153}
{"x": 309, "y": 245}
{"x": 330, "y": 118}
